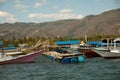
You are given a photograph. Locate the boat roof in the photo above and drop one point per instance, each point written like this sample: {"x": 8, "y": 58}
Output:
{"x": 67, "y": 42}
{"x": 94, "y": 42}
{"x": 117, "y": 39}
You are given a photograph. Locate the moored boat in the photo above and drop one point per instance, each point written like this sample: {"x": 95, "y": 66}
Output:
{"x": 29, "y": 57}
{"x": 12, "y": 57}
{"x": 85, "y": 48}
{"x": 88, "y": 52}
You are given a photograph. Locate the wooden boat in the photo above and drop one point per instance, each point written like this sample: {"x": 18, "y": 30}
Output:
{"x": 9, "y": 59}
{"x": 12, "y": 56}
{"x": 88, "y": 52}
{"x": 65, "y": 57}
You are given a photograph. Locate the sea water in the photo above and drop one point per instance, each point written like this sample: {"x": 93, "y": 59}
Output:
{"x": 47, "y": 69}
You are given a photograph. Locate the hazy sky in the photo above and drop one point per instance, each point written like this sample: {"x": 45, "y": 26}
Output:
{"x": 50, "y": 10}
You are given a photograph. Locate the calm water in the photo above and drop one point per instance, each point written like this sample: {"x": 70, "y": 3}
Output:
{"x": 46, "y": 69}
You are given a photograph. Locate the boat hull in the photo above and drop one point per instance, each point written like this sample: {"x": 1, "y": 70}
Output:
{"x": 67, "y": 60}
{"x": 89, "y": 53}
{"x": 22, "y": 58}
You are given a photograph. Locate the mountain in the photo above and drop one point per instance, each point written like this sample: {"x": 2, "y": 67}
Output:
{"x": 105, "y": 23}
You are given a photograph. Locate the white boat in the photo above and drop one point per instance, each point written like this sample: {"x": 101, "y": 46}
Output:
{"x": 4, "y": 59}
{"x": 113, "y": 53}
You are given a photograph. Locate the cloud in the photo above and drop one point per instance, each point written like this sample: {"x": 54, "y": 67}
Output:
{"x": 62, "y": 14}
{"x": 39, "y": 4}
{"x": 35, "y": 15}
{"x": 66, "y": 11}
{"x": 8, "y": 17}
{"x": 21, "y": 6}
{"x": 55, "y": 7}
{"x": 2, "y": 1}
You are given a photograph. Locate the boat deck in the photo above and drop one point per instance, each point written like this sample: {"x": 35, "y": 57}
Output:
{"x": 6, "y": 58}
{"x": 59, "y": 55}
{"x": 106, "y": 54}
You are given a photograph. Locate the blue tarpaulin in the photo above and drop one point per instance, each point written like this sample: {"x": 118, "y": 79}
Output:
{"x": 94, "y": 43}
{"x": 67, "y": 42}
{"x": 10, "y": 47}
{"x": 97, "y": 43}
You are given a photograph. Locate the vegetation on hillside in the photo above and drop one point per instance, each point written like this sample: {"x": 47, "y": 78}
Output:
{"x": 31, "y": 41}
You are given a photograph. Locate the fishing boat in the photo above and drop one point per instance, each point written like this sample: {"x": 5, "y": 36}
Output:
{"x": 17, "y": 57}
{"x": 4, "y": 59}
{"x": 85, "y": 48}
{"x": 87, "y": 51}
{"x": 103, "y": 45}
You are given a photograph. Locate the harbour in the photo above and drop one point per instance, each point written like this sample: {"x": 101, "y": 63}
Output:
{"x": 60, "y": 40}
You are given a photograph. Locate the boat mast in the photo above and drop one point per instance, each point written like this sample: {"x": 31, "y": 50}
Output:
{"x": 85, "y": 37}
